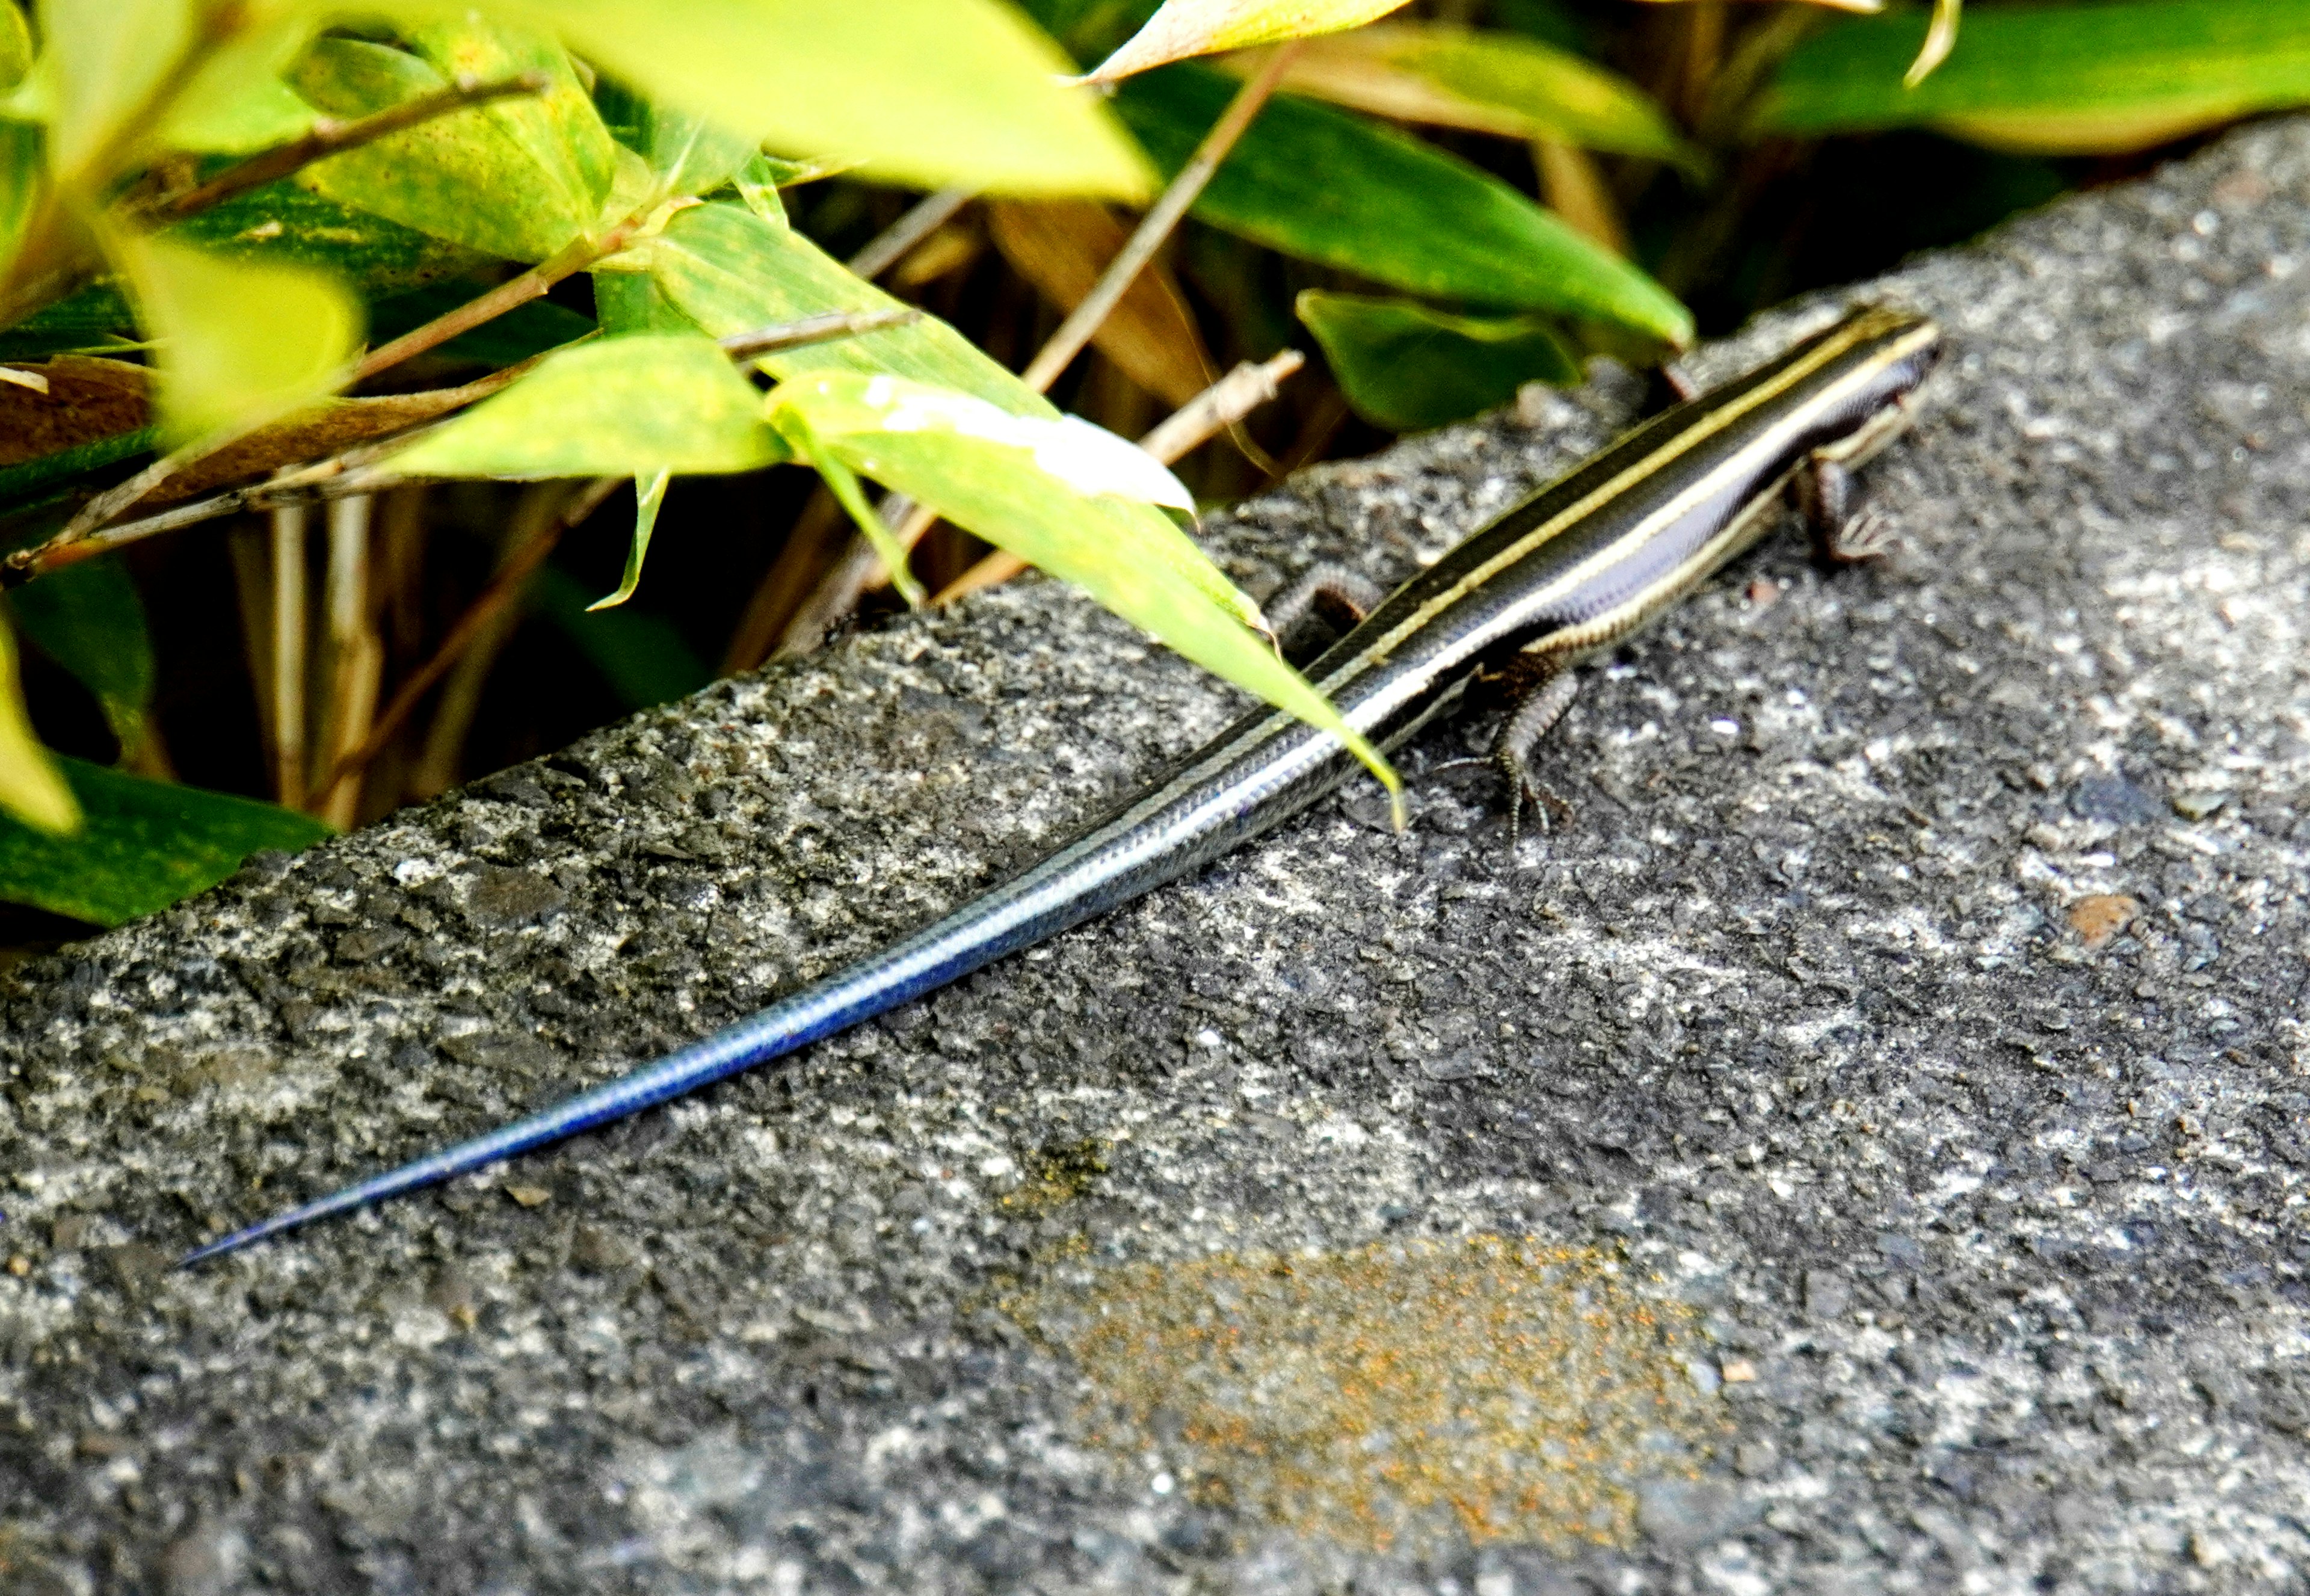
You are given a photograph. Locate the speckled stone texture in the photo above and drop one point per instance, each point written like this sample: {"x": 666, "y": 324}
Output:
{"x": 1821, "y": 1021}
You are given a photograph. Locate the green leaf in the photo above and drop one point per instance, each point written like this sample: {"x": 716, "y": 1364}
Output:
{"x": 221, "y": 366}
{"x": 923, "y": 91}
{"x": 650, "y": 494}
{"x": 145, "y": 844}
{"x": 32, "y": 788}
{"x": 289, "y": 224}
{"x": 993, "y": 482}
{"x": 237, "y": 103}
{"x": 1490, "y": 83}
{"x": 620, "y": 407}
{"x": 686, "y": 153}
{"x": 106, "y": 60}
{"x": 516, "y": 179}
{"x": 2051, "y": 79}
{"x": 641, "y": 656}
{"x": 730, "y": 271}
{"x": 1185, "y": 28}
{"x": 15, "y": 45}
{"x": 525, "y": 330}
{"x": 757, "y": 183}
{"x": 1412, "y": 218}
{"x": 841, "y": 482}
{"x": 627, "y": 302}
{"x": 92, "y": 319}
{"x": 19, "y": 482}
{"x": 1406, "y": 365}
{"x": 87, "y": 617}
{"x": 21, "y": 174}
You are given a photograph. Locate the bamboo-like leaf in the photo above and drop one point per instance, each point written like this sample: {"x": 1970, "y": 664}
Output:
{"x": 289, "y": 224}
{"x": 32, "y": 787}
{"x": 1413, "y": 218}
{"x": 144, "y": 845}
{"x": 220, "y": 365}
{"x": 986, "y": 477}
{"x": 1090, "y": 460}
{"x": 649, "y": 495}
{"x": 2053, "y": 79}
{"x": 88, "y": 618}
{"x": 926, "y": 92}
{"x": 1063, "y": 246}
{"x": 516, "y": 179}
{"x": 1185, "y": 28}
{"x": 1486, "y": 82}
{"x": 520, "y": 332}
{"x": 686, "y": 153}
{"x": 730, "y": 271}
{"x": 1404, "y": 366}
{"x": 622, "y": 407}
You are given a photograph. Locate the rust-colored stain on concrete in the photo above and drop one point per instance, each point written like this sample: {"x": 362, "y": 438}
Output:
{"x": 1397, "y": 1395}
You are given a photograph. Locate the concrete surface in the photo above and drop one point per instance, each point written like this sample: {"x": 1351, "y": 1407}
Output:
{"x": 1864, "y": 1150}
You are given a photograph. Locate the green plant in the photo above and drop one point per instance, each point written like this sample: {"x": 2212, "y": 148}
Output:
{"x": 292, "y": 259}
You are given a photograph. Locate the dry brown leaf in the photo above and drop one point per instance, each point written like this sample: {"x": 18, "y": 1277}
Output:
{"x": 329, "y": 428}
{"x": 1062, "y": 247}
{"x": 87, "y": 399}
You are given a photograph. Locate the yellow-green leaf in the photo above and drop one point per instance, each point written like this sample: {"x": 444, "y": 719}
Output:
{"x": 2054, "y": 79}
{"x": 237, "y": 103}
{"x": 238, "y": 342}
{"x": 1488, "y": 83}
{"x": 730, "y": 272}
{"x": 992, "y": 485}
{"x": 15, "y": 45}
{"x": 516, "y": 179}
{"x": 145, "y": 844}
{"x": 104, "y": 60}
{"x": 627, "y": 406}
{"x": 1185, "y": 28}
{"x": 32, "y": 788}
{"x": 1405, "y": 365}
{"x": 649, "y": 495}
{"x": 926, "y": 92}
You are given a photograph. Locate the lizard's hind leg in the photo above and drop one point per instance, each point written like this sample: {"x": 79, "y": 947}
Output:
{"x": 1548, "y": 689}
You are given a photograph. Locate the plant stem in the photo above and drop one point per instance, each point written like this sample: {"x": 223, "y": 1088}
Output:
{"x": 356, "y": 657}
{"x": 330, "y": 137}
{"x": 521, "y": 563}
{"x": 888, "y": 247}
{"x": 1156, "y": 225}
{"x": 288, "y": 673}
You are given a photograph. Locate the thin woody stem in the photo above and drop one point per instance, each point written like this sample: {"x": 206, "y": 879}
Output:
{"x": 1084, "y": 320}
{"x": 503, "y": 587}
{"x": 331, "y": 137}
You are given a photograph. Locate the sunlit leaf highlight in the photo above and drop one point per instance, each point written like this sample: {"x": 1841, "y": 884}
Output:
{"x": 1185, "y": 28}
{"x": 32, "y": 787}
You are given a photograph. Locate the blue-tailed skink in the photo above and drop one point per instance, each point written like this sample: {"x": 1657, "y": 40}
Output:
{"x": 1573, "y": 568}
